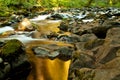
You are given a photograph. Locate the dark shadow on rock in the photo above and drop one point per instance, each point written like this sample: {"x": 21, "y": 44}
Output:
{"x": 117, "y": 77}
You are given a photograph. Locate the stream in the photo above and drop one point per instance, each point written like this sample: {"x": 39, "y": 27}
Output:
{"x": 85, "y": 41}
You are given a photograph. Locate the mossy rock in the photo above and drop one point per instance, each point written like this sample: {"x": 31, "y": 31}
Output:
{"x": 11, "y": 49}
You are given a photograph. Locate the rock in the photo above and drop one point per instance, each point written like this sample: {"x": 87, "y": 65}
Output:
{"x": 110, "y": 47}
{"x": 69, "y": 38}
{"x": 113, "y": 36}
{"x": 87, "y": 37}
{"x": 47, "y": 57}
{"x": 4, "y": 70}
{"x": 25, "y": 25}
{"x": 53, "y": 51}
{"x": 100, "y": 31}
{"x": 1, "y": 43}
{"x": 43, "y": 52}
{"x": 64, "y": 25}
{"x": 14, "y": 62}
{"x": 93, "y": 43}
{"x": 98, "y": 50}
{"x": 20, "y": 67}
{"x": 60, "y": 16}
{"x": 89, "y": 42}
{"x": 82, "y": 60}
{"x": 105, "y": 74}
{"x": 45, "y": 27}
{"x": 57, "y": 16}
{"x": 113, "y": 64}
{"x": 105, "y": 54}
{"x": 16, "y": 18}
{"x": 117, "y": 77}
{"x": 65, "y": 53}
{"x": 11, "y": 49}
{"x": 82, "y": 74}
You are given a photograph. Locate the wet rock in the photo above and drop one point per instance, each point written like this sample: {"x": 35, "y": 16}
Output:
{"x": 16, "y": 18}
{"x": 44, "y": 52}
{"x": 64, "y": 26}
{"x": 60, "y": 16}
{"x": 53, "y": 51}
{"x": 56, "y": 16}
{"x": 69, "y": 38}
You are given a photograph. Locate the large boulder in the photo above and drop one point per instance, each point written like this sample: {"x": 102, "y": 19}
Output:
{"x": 49, "y": 58}
{"x": 13, "y": 61}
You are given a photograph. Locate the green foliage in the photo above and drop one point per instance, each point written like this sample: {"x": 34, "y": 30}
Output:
{"x": 13, "y": 5}
{"x": 78, "y": 3}
{"x": 3, "y": 10}
{"x": 58, "y": 3}
{"x": 105, "y": 3}
{"x": 18, "y": 3}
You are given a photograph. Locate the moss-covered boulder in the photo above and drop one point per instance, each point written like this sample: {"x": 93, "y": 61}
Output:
{"x": 11, "y": 49}
{"x": 13, "y": 61}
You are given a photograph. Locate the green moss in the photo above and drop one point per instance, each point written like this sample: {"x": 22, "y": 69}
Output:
{"x": 11, "y": 48}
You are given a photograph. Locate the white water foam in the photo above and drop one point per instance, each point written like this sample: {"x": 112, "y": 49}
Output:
{"x": 6, "y": 28}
